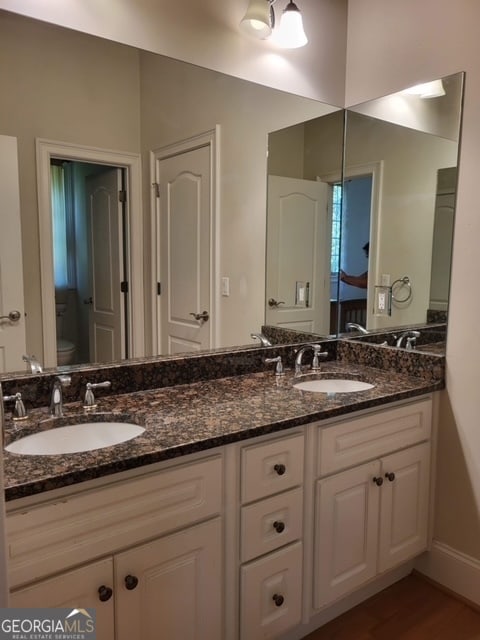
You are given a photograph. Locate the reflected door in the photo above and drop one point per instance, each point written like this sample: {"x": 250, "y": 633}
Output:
{"x": 106, "y": 318}
{"x": 298, "y": 250}
{"x": 12, "y": 328}
{"x": 183, "y": 208}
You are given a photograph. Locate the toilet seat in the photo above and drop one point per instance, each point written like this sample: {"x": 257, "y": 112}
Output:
{"x": 65, "y": 351}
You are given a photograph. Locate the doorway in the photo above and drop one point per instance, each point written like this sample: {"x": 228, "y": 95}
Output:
{"x": 129, "y": 165}
{"x": 90, "y": 269}
{"x": 352, "y": 240}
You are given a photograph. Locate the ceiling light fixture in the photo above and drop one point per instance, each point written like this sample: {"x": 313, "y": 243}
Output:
{"x": 433, "y": 89}
{"x": 259, "y": 21}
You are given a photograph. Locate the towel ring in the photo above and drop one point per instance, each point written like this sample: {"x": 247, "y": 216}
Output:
{"x": 400, "y": 283}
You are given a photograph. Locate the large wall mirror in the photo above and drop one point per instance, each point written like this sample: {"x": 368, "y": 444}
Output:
{"x": 366, "y": 236}
{"x": 96, "y": 110}
{"x": 101, "y": 108}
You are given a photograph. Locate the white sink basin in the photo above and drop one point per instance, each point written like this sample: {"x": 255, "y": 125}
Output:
{"x": 75, "y": 438}
{"x": 333, "y": 385}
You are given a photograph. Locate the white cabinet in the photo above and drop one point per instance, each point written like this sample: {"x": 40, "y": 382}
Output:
{"x": 88, "y": 587}
{"x": 373, "y": 516}
{"x": 170, "y": 585}
{"x": 271, "y": 546}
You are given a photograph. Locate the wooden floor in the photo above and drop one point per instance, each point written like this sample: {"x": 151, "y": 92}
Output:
{"x": 411, "y": 609}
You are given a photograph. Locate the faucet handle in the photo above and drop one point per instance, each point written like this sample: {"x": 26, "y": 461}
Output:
{"x": 318, "y": 355}
{"x": 279, "y": 367}
{"x": 89, "y": 402}
{"x": 19, "y": 411}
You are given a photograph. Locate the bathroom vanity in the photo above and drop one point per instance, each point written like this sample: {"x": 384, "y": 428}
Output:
{"x": 247, "y": 509}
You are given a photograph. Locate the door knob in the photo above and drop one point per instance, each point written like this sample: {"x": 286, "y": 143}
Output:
{"x": 13, "y": 316}
{"x": 201, "y": 316}
{"x": 88, "y": 300}
{"x": 275, "y": 303}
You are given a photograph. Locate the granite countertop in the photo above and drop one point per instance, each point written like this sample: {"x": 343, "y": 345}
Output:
{"x": 188, "y": 418}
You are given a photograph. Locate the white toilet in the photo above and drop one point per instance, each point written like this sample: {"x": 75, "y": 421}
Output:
{"x": 65, "y": 348}
{"x": 65, "y": 352}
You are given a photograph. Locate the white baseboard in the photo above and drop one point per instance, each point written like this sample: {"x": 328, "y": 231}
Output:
{"x": 454, "y": 570}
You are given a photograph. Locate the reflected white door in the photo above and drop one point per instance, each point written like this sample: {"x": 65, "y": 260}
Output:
{"x": 12, "y": 332}
{"x": 183, "y": 215}
{"x": 105, "y": 222}
{"x": 298, "y": 255}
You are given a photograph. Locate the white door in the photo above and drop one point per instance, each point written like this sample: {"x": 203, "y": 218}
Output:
{"x": 183, "y": 217}
{"x": 346, "y": 532}
{"x": 298, "y": 255}
{"x": 78, "y": 588}
{"x": 12, "y": 328}
{"x": 404, "y": 506}
{"x": 107, "y": 326}
{"x": 172, "y": 587}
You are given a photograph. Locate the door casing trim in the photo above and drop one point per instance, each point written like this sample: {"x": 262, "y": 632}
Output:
{"x": 131, "y": 162}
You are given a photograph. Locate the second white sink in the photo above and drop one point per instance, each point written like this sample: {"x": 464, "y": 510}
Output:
{"x": 332, "y": 385}
{"x": 75, "y": 438}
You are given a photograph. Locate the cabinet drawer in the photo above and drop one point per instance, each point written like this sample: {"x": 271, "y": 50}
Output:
{"x": 272, "y": 467}
{"x": 51, "y": 537}
{"x": 271, "y": 523}
{"x": 356, "y": 441}
{"x": 271, "y": 594}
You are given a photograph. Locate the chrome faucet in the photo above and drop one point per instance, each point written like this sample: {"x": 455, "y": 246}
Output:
{"x": 278, "y": 365}
{"x": 34, "y": 364}
{"x": 411, "y": 338}
{"x": 56, "y": 402}
{"x": 264, "y": 341}
{"x": 89, "y": 401}
{"x": 317, "y": 354}
{"x": 354, "y": 326}
{"x": 19, "y": 412}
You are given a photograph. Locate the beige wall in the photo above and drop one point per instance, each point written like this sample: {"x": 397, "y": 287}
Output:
{"x": 207, "y": 33}
{"x": 189, "y": 100}
{"x": 62, "y": 87}
{"x": 397, "y": 44}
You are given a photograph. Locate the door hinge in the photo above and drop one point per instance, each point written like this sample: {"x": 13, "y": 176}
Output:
{"x": 122, "y": 195}
{"x": 156, "y": 188}
{"x": 124, "y": 286}
{"x": 159, "y": 288}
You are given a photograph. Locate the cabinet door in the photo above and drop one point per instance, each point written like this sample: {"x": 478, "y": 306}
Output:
{"x": 171, "y": 587}
{"x": 78, "y": 589}
{"x": 346, "y": 532}
{"x": 271, "y": 594}
{"x": 404, "y": 506}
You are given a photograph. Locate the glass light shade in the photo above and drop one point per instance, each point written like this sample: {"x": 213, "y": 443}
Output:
{"x": 256, "y": 22}
{"x": 290, "y": 34}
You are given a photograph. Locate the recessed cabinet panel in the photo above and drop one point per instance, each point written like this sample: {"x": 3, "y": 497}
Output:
{"x": 356, "y": 441}
{"x": 88, "y": 587}
{"x": 404, "y": 506}
{"x": 172, "y": 587}
{"x": 346, "y": 532}
{"x": 271, "y": 594}
{"x": 271, "y": 523}
{"x": 272, "y": 467}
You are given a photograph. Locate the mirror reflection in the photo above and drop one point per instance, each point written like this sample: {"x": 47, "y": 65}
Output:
{"x": 385, "y": 246}
{"x": 68, "y": 97}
